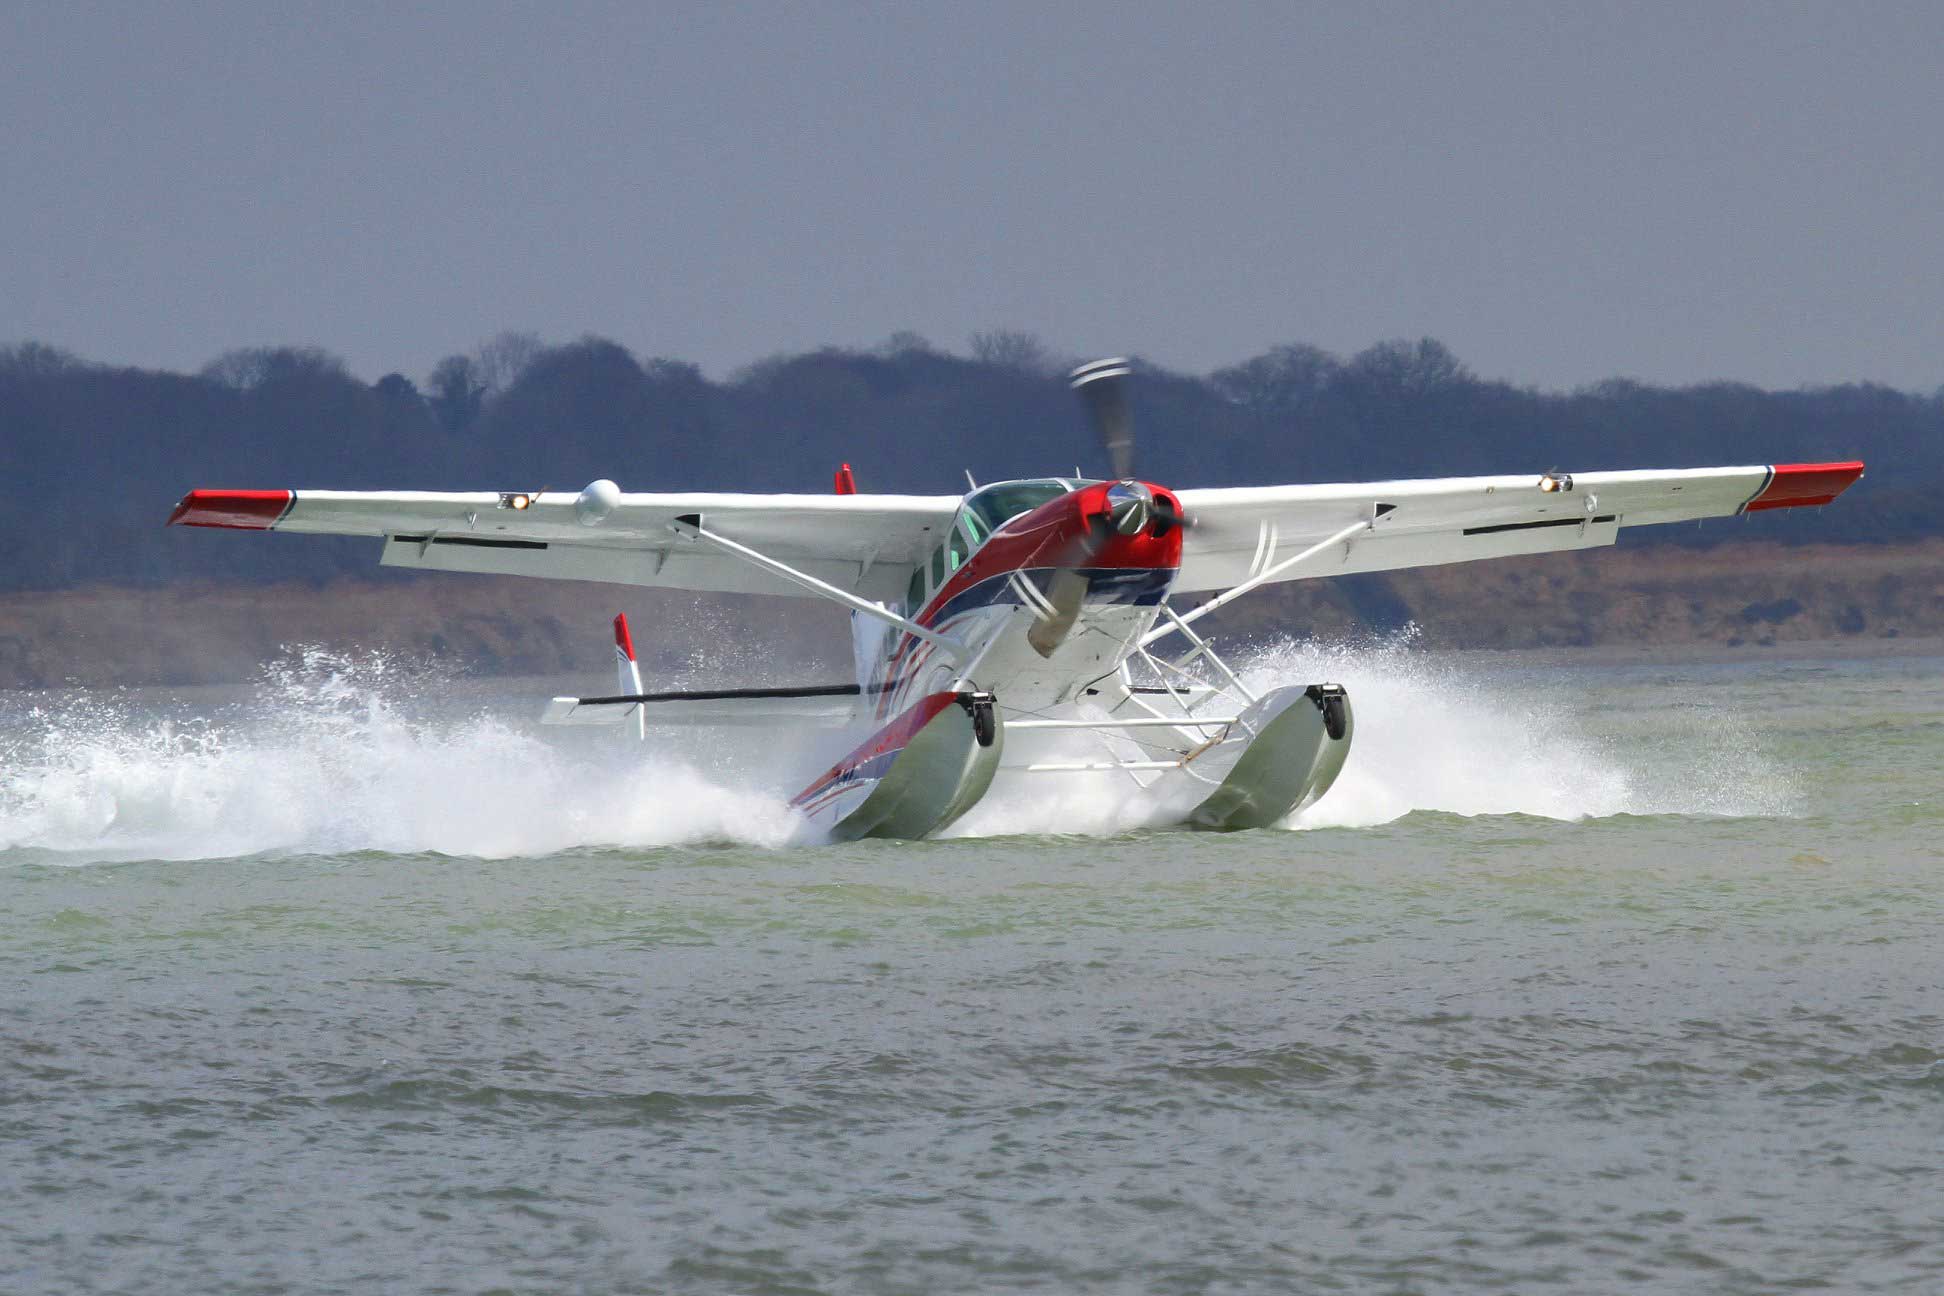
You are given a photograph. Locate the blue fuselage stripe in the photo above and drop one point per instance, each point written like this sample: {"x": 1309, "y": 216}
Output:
{"x": 1140, "y": 586}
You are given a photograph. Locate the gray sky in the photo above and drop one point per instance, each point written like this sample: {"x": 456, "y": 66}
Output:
{"x": 1560, "y": 193}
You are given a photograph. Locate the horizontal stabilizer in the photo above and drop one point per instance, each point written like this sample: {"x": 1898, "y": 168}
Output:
{"x": 814, "y": 704}
{"x": 586, "y": 711}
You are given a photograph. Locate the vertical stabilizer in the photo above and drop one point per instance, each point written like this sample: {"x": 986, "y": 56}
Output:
{"x": 628, "y": 672}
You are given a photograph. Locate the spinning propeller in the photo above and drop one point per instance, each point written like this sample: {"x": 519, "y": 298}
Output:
{"x": 1103, "y": 390}
{"x": 1102, "y": 385}
{"x": 1131, "y": 505}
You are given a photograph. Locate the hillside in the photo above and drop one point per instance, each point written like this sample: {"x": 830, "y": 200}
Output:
{"x": 95, "y": 590}
{"x": 103, "y": 452}
{"x": 1742, "y": 597}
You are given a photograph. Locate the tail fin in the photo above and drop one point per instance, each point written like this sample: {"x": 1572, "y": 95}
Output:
{"x": 628, "y": 672}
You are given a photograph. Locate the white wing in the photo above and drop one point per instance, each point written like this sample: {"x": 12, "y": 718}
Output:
{"x": 1240, "y": 533}
{"x": 866, "y": 544}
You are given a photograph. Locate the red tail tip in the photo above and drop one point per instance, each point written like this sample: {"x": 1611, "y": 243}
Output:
{"x": 845, "y": 483}
{"x": 622, "y": 639}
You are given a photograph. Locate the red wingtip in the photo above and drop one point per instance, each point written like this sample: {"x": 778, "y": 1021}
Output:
{"x": 238, "y": 510}
{"x": 622, "y": 639}
{"x": 845, "y": 483}
{"x": 1805, "y": 485}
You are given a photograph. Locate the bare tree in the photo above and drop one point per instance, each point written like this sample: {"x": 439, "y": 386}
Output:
{"x": 248, "y": 368}
{"x": 498, "y": 364}
{"x": 1283, "y": 378}
{"x": 241, "y": 369}
{"x": 905, "y": 342}
{"x": 1012, "y": 349}
{"x": 759, "y": 375}
{"x": 673, "y": 372}
{"x": 37, "y": 360}
{"x": 456, "y": 392}
{"x": 396, "y": 387}
{"x": 1408, "y": 368}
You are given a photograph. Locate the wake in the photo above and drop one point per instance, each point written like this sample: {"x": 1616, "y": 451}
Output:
{"x": 330, "y": 754}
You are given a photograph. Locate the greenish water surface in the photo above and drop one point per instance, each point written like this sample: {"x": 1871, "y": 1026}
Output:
{"x": 1589, "y": 977}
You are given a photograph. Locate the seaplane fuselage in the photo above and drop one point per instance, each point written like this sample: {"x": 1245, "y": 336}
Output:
{"x": 1038, "y": 589}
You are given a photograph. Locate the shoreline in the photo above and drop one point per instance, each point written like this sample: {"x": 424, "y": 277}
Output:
{"x": 1730, "y": 602}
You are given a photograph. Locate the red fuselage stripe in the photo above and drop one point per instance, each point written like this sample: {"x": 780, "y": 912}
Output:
{"x": 1059, "y": 533}
{"x": 1054, "y": 535}
{"x": 892, "y": 737}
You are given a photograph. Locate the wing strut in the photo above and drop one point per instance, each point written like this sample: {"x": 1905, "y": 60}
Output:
{"x": 690, "y": 526}
{"x": 1267, "y": 574}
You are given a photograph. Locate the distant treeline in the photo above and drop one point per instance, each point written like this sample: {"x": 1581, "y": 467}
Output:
{"x": 96, "y": 455}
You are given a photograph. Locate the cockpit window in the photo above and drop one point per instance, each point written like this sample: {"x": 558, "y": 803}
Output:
{"x": 995, "y": 505}
{"x": 974, "y": 526}
{"x": 985, "y": 510}
{"x": 915, "y": 596}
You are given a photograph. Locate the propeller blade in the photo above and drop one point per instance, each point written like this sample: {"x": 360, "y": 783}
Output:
{"x": 1101, "y": 385}
{"x": 1058, "y": 607}
{"x": 1066, "y": 594}
{"x": 1131, "y": 505}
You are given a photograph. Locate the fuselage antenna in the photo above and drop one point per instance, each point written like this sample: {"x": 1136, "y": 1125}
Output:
{"x": 969, "y": 481}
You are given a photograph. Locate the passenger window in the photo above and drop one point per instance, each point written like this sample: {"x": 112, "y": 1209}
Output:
{"x": 915, "y": 596}
{"x": 959, "y": 549}
{"x": 938, "y": 566}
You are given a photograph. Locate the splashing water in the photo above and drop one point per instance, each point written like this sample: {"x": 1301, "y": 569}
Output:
{"x": 1434, "y": 734}
{"x": 332, "y": 755}
{"x": 1438, "y": 733}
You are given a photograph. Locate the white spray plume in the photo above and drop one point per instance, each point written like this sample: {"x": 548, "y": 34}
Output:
{"x": 337, "y": 754}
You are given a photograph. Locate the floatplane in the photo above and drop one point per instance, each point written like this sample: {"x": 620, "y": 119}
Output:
{"x": 1021, "y": 606}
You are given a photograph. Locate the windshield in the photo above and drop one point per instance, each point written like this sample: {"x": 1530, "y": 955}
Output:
{"x": 985, "y": 510}
{"x": 991, "y": 507}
